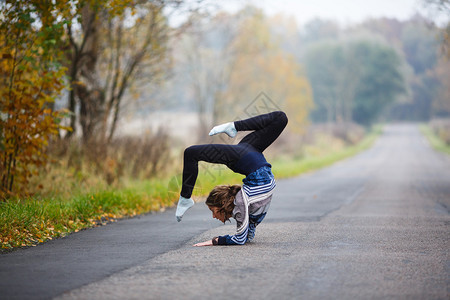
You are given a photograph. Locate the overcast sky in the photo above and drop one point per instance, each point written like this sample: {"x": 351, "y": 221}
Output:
{"x": 343, "y": 11}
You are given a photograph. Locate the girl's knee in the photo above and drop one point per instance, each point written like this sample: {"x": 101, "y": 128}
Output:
{"x": 282, "y": 117}
{"x": 190, "y": 152}
{"x": 195, "y": 152}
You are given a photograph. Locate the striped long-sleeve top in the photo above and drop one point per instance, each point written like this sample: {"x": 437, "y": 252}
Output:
{"x": 251, "y": 205}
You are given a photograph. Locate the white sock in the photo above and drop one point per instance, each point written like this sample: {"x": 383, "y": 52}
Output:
{"x": 183, "y": 205}
{"x": 227, "y": 128}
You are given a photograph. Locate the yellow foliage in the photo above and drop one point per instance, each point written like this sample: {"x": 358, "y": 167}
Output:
{"x": 30, "y": 82}
{"x": 261, "y": 65}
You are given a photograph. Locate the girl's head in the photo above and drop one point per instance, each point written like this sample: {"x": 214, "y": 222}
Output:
{"x": 221, "y": 201}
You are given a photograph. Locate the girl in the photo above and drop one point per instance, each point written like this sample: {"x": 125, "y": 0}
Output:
{"x": 247, "y": 204}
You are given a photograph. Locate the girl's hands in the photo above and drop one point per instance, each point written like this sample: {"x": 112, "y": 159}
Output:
{"x": 207, "y": 243}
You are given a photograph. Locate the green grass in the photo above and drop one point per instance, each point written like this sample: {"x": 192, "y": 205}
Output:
{"x": 283, "y": 167}
{"x": 437, "y": 143}
{"x": 27, "y": 222}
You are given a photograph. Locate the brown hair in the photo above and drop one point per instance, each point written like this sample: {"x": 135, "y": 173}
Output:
{"x": 222, "y": 196}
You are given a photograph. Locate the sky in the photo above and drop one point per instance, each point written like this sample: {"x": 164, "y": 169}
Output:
{"x": 346, "y": 12}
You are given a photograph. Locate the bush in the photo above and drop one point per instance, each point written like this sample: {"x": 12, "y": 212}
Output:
{"x": 77, "y": 167}
{"x": 441, "y": 127}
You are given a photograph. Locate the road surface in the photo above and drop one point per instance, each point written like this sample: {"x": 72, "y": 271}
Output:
{"x": 373, "y": 226}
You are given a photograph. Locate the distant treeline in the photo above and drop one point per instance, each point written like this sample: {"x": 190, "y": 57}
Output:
{"x": 378, "y": 70}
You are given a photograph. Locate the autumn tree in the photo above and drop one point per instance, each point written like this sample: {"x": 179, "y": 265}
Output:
{"x": 441, "y": 105}
{"x": 112, "y": 44}
{"x": 240, "y": 57}
{"x": 207, "y": 61}
{"x": 31, "y": 79}
{"x": 442, "y": 6}
{"x": 261, "y": 65}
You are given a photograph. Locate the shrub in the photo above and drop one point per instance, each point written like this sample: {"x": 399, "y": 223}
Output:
{"x": 96, "y": 165}
{"x": 441, "y": 127}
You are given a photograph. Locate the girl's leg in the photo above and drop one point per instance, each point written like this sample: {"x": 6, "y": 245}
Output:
{"x": 266, "y": 128}
{"x": 213, "y": 153}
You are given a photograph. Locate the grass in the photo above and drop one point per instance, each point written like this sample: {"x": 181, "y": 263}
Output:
{"x": 28, "y": 222}
{"x": 32, "y": 221}
{"x": 437, "y": 143}
{"x": 285, "y": 167}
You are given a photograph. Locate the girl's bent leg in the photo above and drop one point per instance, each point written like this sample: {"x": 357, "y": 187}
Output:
{"x": 267, "y": 128}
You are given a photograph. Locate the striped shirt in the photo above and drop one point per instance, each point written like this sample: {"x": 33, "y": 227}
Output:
{"x": 251, "y": 205}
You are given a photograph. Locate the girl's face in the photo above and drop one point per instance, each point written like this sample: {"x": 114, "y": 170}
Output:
{"x": 217, "y": 214}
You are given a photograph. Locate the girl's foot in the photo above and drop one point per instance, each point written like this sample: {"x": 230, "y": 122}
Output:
{"x": 183, "y": 205}
{"x": 227, "y": 128}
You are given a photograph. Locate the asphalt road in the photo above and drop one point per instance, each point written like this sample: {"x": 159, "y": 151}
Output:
{"x": 370, "y": 227}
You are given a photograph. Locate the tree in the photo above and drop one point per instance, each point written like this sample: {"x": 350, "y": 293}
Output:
{"x": 441, "y": 101}
{"x": 261, "y": 65}
{"x": 322, "y": 70}
{"x": 380, "y": 83}
{"x": 419, "y": 44}
{"x": 31, "y": 80}
{"x": 334, "y": 75}
{"x": 235, "y": 58}
{"x": 208, "y": 61}
{"x": 418, "y": 39}
{"x": 353, "y": 80}
{"x": 118, "y": 43}
{"x": 318, "y": 29}
{"x": 441, "y": 104}
{"x": 442, "y": 6}
{"x": 421, "y": 50}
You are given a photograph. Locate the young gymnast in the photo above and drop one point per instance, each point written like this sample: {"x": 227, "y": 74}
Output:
{"x": 247, "y": 204}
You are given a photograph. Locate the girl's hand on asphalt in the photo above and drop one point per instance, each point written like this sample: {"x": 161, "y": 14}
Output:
{"x": 207, "y": 243}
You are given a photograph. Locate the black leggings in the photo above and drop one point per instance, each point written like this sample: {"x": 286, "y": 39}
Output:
{"x": 266, "y": 129}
